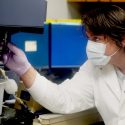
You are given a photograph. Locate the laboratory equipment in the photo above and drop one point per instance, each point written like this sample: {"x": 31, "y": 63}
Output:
{"x": 20, "y": 16}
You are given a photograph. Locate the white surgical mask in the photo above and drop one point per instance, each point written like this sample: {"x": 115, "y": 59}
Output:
{"x": 96, "y": 53}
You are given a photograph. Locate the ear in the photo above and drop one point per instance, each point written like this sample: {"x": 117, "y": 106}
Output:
{"x": 123, "y": 42}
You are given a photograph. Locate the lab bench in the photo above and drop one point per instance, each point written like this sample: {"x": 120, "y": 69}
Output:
{"x": 87, "y": 117}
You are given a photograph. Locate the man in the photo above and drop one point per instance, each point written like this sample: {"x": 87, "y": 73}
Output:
{"x": 100, "y": 81}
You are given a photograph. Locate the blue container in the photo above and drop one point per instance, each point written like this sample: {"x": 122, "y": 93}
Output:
{"x": 65, "y": 49}
{"x": 68, "y": 45}
{"x": 38, "y": 57}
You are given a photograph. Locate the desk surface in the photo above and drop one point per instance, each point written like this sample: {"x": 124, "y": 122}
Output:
{"x": 81, "y": 118}
{"x": 86, "y": 117}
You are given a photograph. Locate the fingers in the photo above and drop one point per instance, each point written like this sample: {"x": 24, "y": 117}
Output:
{"x": 5, "y": 59}
{"x": 13, "y": 49}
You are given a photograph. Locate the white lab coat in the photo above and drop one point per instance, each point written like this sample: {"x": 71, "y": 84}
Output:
{"x": 91, "y": 86}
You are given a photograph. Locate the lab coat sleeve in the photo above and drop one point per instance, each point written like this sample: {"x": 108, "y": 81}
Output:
{"x": 73, "y": 95}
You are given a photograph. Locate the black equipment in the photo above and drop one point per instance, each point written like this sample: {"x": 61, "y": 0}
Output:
{"x": 20, "y": 16}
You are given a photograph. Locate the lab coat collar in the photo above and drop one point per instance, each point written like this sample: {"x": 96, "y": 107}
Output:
{"x": 110, "y": 76}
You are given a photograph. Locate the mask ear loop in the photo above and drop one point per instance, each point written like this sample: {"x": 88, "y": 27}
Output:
{"x": 115, "y": 52}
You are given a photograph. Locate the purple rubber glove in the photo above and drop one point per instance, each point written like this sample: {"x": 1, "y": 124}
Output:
{"x": 16, "y": 60}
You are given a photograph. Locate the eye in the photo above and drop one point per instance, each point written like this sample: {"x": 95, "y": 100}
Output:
{"x": 95, "y": 39}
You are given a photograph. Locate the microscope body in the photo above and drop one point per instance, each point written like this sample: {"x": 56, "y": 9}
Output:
{"x": 20, "y": 16}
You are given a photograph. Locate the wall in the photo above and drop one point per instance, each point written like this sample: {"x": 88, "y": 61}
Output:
{"x": 61, "y": 9}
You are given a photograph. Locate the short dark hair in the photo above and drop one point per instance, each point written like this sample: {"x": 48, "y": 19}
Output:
{"x": 108, "y": 20}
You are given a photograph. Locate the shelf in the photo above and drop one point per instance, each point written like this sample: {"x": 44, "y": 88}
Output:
{"x": 96, "y": 0}
{"x": 82, "y": 0}
{"x": 118, "y": 0}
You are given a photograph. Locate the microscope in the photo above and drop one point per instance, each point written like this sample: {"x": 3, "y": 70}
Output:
{"x": 19, "y": 16}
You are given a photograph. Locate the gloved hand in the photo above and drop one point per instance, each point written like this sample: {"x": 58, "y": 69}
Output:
{"x": 16, "y": 60}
